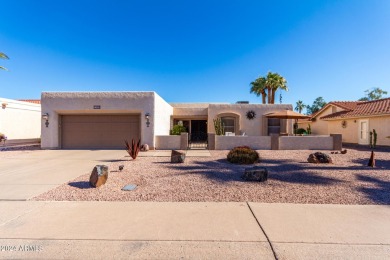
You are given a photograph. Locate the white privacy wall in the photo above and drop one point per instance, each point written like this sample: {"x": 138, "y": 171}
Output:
{"x": 162, "y": 116}
{"x": 20, "y": 120}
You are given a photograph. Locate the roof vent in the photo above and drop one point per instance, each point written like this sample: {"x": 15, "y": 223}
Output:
{"x": 242, "y": 102}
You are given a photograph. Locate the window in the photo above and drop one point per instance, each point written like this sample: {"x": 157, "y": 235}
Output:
{"x": 228, "y": 124}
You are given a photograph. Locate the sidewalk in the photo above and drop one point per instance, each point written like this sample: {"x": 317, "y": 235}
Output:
{"x": 165, "y": 230}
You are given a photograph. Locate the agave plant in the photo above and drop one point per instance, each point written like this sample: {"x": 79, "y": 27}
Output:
{"x": 133, "y": 149}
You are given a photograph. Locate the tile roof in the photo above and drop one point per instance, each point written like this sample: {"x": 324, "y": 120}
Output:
{"x": 347, "y": 105}
{"x": 363, "y": 108}
{"x": 35, "y": 101}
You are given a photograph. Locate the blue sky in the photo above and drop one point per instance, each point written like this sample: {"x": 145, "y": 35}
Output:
{"x": 195, "y": 51}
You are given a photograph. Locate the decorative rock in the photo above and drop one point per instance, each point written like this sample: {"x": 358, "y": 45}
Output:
{"x": 256, "y": 173}
{"x": 98, "y": 176}
{"x": 129, "y": 187}
{"x": 177, "y": 157}
{"x": 319, "y": 157}
{"x": 344, "y": 151}
{"x": 144, "y": 148}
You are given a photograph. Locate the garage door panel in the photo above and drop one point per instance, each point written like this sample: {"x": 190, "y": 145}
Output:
{"x": 96, "y": 132}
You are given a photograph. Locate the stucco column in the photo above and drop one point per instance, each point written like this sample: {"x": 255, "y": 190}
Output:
{"x": 337, "y": 141}
{"x": 211, "y": 141}
{"x": 183, "y": 141}
{"x": 274, "y": 141}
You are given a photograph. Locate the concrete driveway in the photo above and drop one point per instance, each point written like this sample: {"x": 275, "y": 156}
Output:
{"x": 26, "y": 175}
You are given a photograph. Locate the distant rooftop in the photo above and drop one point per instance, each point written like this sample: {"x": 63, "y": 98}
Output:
{"x": 35, "y": 101}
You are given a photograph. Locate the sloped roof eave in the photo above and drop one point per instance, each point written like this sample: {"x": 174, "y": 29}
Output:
{"x": 354, "y": 117}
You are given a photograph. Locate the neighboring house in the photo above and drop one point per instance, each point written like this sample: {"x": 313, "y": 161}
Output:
{"x": 354, "y": 120}
{"x": 20, "y": 120}
{"x": 92, "y": 120}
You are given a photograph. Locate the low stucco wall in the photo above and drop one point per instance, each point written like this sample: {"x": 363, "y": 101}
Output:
{"x": 305, "y": 143}
{"x": 168, "y": 142}
{"x": 255, "y": 142}
{"x": 20, "y": 121}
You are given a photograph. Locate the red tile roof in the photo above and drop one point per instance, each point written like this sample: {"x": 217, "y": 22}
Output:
{"x": 35, "y": 101}
{"x": 347, "y": 105}
{"x": 363, "y": 108}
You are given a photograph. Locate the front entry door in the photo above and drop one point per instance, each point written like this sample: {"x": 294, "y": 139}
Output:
{"x": 198, "y": 135}
{"x": 363, "y": 132}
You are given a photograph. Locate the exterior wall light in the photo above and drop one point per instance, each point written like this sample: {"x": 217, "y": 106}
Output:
{"x": 147, "y": 117}
{"x": 45, "y": 116}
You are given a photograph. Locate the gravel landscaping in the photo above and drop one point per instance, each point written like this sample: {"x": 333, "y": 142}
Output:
{"x": 291, "y": 180}
{"x": 10, "y": 151}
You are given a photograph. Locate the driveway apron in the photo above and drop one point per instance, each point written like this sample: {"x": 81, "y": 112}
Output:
{"x": 29, "y": 174}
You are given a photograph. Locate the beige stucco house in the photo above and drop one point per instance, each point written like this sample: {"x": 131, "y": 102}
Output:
{"x": 92, "y": 120}
{"x": 20, "y": 121}
{"x": 354, "y": 120}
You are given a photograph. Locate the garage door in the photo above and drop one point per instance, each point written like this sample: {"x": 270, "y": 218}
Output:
{"x": 98, "y": 131}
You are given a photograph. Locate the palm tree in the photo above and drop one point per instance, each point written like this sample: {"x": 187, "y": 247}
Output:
{"x": 267, "y": 86}
{"x": 3, "y": 56}
{"x": 299, "y": 106}
{"x": 275, "y": 82}
{"x": 259, "y": 87}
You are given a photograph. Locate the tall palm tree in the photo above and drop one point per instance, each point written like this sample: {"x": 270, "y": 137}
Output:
{"x": 275, "y": 82}
{"x": 299, "y": 106}
{"x": 3, "y": 56}
{"x": 267, "y": 86}
{"x": 259, "y": 87}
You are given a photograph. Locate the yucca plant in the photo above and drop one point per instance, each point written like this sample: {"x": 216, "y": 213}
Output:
{"x": 133, "y": 149}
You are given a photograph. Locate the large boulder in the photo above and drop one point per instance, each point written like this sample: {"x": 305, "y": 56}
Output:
{"x": 177, "y": 157}
{"x": 255, "y": 173}
{"x": 98, "y": 176}
{"x": 319, "y": 157}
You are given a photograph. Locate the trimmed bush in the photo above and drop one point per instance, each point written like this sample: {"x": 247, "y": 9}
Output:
{"x": 301, "y": 131}
{"x": 243, "y": 155}
{"x": 178, "y": 129}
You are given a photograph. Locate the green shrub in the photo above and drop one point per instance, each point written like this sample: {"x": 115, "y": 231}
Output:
{"x": 243, "y": 155}
{"x": 301, "y": 131}
{"x": 178, "y": 129}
